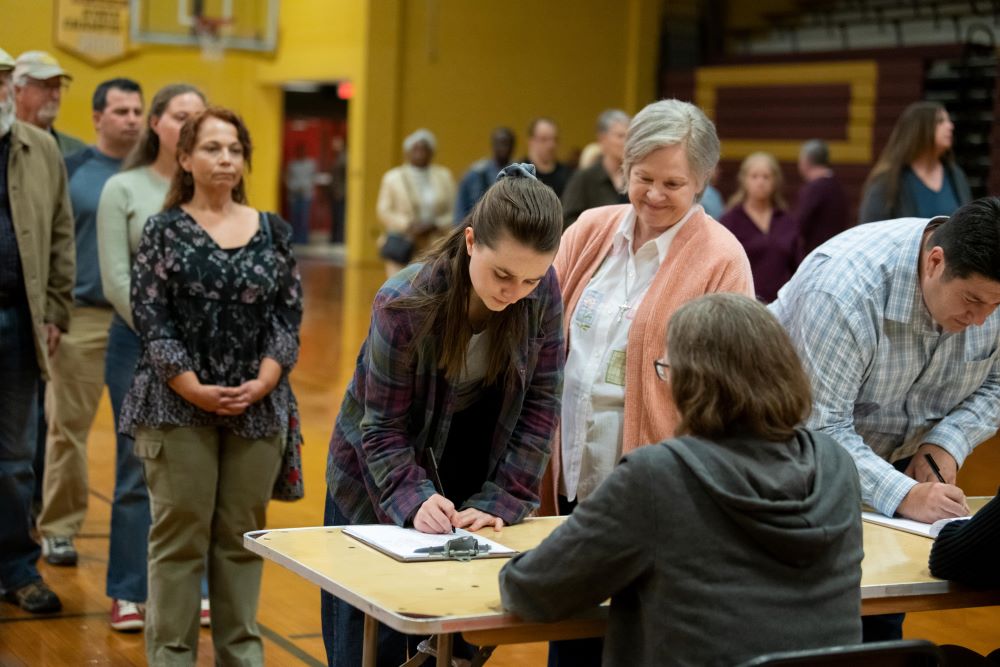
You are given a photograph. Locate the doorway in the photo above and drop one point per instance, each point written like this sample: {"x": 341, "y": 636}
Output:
{"x": 314, "y": 164}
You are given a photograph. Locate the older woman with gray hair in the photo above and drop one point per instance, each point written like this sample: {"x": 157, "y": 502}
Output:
{"x": 414, "y": 203}
{"x": 624, "y": 271}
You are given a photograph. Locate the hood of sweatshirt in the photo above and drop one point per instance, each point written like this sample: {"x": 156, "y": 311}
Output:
{"x": 787, "y": 496}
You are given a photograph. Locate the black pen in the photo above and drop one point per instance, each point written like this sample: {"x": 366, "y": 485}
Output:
{"x": 933, "y": 464}
{"x": 435, "y": 475}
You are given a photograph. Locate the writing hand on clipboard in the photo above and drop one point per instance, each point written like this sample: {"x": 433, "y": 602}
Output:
{"x": 436, "y": 515}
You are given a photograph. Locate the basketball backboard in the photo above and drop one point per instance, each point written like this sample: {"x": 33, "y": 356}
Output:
{"x": 249, "y": 25}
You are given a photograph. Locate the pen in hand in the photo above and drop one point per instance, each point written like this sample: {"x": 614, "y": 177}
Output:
{"x": 435, "y": 475}
{"x": 934, "y": 467}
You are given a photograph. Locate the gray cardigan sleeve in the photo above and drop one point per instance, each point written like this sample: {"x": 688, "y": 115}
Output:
{"x": 600, "y": 549}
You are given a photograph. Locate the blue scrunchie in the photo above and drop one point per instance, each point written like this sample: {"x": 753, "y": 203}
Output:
{"x": 518, "y": 170}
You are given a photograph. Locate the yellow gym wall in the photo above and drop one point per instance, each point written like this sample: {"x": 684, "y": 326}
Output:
{"x": 461, "y": 68}
{"x": 457, "y": 67}
{"x": 242, "y": 80}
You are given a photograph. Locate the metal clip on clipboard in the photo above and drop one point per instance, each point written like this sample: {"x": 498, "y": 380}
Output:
{"x": 461, "y": 548}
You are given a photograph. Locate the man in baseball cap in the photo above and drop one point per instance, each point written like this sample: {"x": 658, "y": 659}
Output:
{"x": 37, "y": 259}
{"x": 39, "y": 80}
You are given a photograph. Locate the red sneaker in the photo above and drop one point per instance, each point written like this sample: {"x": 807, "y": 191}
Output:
{"x": 205, "y": 616}
{"x": 127, "y": 616}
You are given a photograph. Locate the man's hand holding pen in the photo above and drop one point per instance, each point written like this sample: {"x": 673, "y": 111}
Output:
{"x": 935, "y": 496}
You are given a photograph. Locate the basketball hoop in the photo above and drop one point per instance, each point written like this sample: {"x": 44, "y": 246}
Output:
{"x": 209, "y": 31}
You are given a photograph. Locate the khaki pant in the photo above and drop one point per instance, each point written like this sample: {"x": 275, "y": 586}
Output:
{"x": 71, "y": 400}
{"x": 207, "y": 487}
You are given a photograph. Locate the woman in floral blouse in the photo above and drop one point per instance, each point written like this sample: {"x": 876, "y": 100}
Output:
{"x": 216, "y": 300}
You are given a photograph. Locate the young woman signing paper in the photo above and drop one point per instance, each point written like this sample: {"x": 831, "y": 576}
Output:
{"x": 460, "y": 374}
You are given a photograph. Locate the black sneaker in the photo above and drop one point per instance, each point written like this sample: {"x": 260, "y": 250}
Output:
{"x": 36, "y": 598}
{"x": 59, "y": 550}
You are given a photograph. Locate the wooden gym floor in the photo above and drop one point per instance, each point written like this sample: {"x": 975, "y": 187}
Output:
{"x": 335, "y": 323}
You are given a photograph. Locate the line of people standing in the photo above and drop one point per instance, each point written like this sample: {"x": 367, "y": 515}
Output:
{"x": 137, "y": 263}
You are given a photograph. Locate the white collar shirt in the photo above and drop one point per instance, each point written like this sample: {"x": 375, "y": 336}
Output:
{"x": 593, "y": 404}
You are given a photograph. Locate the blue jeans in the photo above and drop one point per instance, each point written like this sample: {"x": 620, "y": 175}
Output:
{"x": 301, "y": 207}
{"x": 344, "y": 626}
{"x": 19, "y": 377}
{"x": 41, "y": 427}
{"x": 130, "y": 517}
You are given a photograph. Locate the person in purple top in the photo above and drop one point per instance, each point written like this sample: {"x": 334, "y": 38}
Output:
{"x": 758, "y": 217}
{"x": 821, "y": 210}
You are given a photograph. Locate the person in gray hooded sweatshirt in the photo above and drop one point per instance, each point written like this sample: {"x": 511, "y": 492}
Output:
{"x": 742, "y": 537}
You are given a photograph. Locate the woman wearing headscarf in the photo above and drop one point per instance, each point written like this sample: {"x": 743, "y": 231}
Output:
{"x": 414, "y": 203}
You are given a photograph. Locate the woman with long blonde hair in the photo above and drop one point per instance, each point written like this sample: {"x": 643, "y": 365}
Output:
{"x": 758, "y": 216}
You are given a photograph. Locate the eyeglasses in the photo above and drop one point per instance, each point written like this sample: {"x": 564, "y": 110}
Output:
{"x": 662, "y": 368}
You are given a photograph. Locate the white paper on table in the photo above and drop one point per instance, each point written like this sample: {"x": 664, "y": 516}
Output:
{"x": 402, "y": 543}
{"x": 909, "y": 525}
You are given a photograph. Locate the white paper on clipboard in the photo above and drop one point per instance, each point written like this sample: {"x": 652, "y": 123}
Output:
{"x": 909, "y": 525}
{"x": 402, "y": 543}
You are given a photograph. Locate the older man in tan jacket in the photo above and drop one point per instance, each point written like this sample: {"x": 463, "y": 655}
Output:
{"x": 36, "y": 282}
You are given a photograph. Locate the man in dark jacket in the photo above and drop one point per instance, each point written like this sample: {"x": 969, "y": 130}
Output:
{"x": 36, "y": 282}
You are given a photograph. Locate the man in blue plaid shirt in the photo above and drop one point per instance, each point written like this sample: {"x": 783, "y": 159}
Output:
{"x": 895, "y": 323}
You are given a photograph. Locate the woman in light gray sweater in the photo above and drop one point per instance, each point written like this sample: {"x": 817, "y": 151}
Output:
{"x": 741, "y": 538}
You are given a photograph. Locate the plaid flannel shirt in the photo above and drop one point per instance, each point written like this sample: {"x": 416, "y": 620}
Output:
{"x": 885, "y": 379}
{"x": 399, "y": 403}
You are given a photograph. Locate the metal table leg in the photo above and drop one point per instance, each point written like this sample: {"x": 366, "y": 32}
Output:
{"x": 370, "y": 646}
{"x": 444, "y": 649}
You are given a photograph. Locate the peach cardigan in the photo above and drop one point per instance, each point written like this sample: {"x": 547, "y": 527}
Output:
{"x": 703, "y": 258}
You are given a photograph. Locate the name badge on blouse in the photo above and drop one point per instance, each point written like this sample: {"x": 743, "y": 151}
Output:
{"x": 615, "y": 374}
{"x": 586, "y": 309}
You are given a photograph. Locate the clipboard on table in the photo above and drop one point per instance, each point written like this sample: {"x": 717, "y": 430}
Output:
{"x": 409, "y": 545}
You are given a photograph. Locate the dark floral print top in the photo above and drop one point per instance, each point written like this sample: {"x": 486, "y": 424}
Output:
{"x": 217, "y": 312}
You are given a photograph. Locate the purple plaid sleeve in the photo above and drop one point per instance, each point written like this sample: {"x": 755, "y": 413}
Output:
{"x": 397, "y": 484}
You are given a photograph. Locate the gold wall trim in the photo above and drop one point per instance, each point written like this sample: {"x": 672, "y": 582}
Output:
{"x": 861, "y": 76}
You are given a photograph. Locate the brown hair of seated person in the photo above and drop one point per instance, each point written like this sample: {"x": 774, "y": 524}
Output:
{"x": 724, "y": 381}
